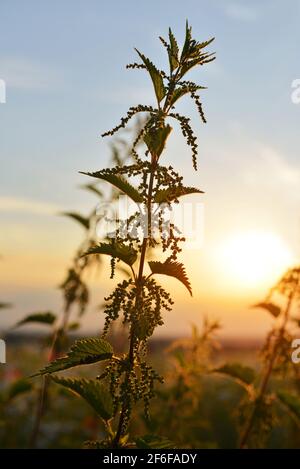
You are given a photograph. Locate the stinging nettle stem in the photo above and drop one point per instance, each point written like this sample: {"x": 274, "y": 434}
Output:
{"x": 139, "y": 289}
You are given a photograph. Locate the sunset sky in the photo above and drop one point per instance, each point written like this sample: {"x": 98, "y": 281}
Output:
{"x": 64, "y": 66}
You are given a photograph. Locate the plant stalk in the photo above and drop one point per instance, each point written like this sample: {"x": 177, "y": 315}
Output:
{"x": 139, "y": 285}
{"x": 42, "y": 399}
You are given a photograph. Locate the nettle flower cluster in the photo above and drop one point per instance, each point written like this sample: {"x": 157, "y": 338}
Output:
{"x": 139, "y": 300}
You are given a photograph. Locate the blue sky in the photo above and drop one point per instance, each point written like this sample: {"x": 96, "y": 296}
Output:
{"x": 64, "y": 66}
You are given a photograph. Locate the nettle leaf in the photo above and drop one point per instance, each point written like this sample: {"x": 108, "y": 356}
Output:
{"x": 173, "y": 269}
{"x": 154, "y": 441}
{"x": 92, "y": 391}
{"x": 271, "y": 307}
{"x": 189, "y": 65}
{"x": 119, "y": 182}
{"x": 83, "y": 221}
{"x": 187, "y": 41}
{"x": 202, "y": 45}
{"x": 83, "y": 352}
{"x": 192, "y": 53}
{"x": 172, "y": 193}
{"x": 155, "y": 139}
{"x": 173, "y": 51}
{"x": 41, "y": 318}
{"x": 156, "y": 77}
{"x": 18, "y": 387}
{"x": 244, "y": 374}
{"x": 291, "y": 401}
{"x": 121, "y": 251}
{"x": 183, "y": 90}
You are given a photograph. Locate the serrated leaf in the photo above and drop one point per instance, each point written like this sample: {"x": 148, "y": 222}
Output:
{"x": 181, "y": 91}
{"x": 202, "y": 45}
{"x": 155, "y": 139}
{"x": 155, "y": 77}
{"x": 198, "y": 61}
{"x": 41, "y": 318}
{"x": 242, "y": 373}
{"x": 291, "y": 401}
{"x": 172, "y": 269}
{"x": 188, "y": 38}
{"x": 118, "y": 250}
{"x": 172, "y": 193}
{"x": 83, "y": 221}
{"x": 271, "y": 307}
{"x": 92, "y": 391}
{"x": 83, "y": 352}
{"x": 154, "y": 442}
{"x": 18, "y": 387}
{"x": 173, "y": 51}
{"x": 119, "y": 182}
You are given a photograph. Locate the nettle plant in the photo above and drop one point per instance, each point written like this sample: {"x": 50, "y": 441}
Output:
{"x": 139, "y": 300}
{"x": 273, "y": 392}
{"x": 260, "y": 414}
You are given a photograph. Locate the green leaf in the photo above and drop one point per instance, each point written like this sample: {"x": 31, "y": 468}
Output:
{"x": 187, "y": 41}
{"x": 202, "y": 45}
{"x": 83, "y": 352}
{"x": 271, "y": 307}
{"x": 155, "y": 77}
{"x": 154, "y": 441}
{"x": 125, "y": 253}
{"x": 173, "y": 51}
{"x": 291, "y": 401}
{"x": 85, "y": 222}
{"x": 181, "y": 91}
{"x": 155, "y": 139}
{"x": 244, "y": 374}
{"x": 198, "y": 61}
{"x": 119, "y": 182}
{"x": 94, "y": 392}
{"x": 173, "y": 269}
{"x": 42, "y": 318}
{"x": 192, "y": 53}
{"x": 18, "y": 387}
{"x": 172, "y": 193}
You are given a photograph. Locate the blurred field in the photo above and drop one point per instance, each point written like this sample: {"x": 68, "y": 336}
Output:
{"x": 195, "y": 410}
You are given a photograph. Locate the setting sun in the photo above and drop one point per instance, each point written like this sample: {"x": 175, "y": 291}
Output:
{"x": 253, "y": 258}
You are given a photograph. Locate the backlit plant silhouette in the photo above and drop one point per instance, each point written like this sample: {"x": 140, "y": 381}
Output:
{"x": 283, "y": 304}
{"x": 139, "y": 300}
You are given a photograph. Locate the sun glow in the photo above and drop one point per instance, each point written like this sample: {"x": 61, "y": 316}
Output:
{"x": 252, "y": 259}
